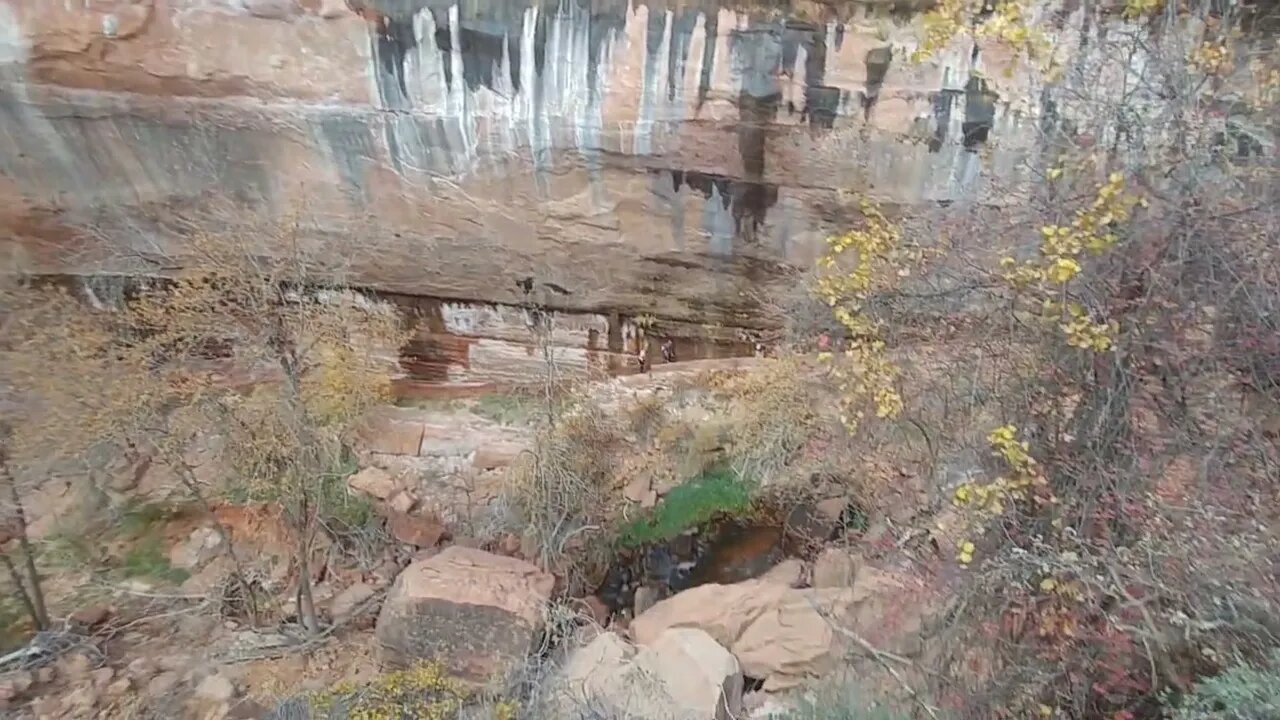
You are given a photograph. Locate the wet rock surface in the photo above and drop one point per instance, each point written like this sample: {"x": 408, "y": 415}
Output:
{"x": 723, "y": 552}
{"x": 733, "y": 550}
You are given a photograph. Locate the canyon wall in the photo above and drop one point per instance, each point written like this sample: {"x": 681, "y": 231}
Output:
{"x": 675, "y": 158}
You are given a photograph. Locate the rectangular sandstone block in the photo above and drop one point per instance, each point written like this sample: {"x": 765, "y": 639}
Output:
{"x": 391, "y": 431}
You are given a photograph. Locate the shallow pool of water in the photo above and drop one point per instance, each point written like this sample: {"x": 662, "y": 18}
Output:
{"x": 723, "y": 552}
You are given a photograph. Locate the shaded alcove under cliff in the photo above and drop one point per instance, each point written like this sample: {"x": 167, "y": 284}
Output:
{"x": 458, "y": 348}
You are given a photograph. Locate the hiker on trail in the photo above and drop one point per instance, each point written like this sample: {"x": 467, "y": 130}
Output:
{"x": 669, "y": 350}
{"x": 824, "y": 342}
{"x": 642, "y": 353}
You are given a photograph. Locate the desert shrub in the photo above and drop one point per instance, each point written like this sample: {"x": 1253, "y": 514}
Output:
{"x": 349, "y": 518}
{"x": 647, "y": 416}
{"x": 690, "y": 449}
{"x": 142, "y": 529}
{"x": 338, "y": 503}
{"x": 561, "y": 488}
{"x": 424, "y": 691}
{"x": 138, "y": 518}
{"x": 838, "y": 698}
{"x": 770, "y": 417}
{"x": 720, "y": 492}
{"x": 701, "y": 449}
{"x": 132, "y": 545}
{"x": 1243, "y": 692}
{"x": 15, "y": 626}
{"x": 1113, "y": 334}
{"x": 146, "y": 558}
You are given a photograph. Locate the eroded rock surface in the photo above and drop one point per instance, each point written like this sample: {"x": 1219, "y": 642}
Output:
{"x": 451, "y": 464}
{"x": 627, "y": 157}
{"x": 682, "y": 675}
{"x": 478, "y": 613}
{"x": 782, "y": 634}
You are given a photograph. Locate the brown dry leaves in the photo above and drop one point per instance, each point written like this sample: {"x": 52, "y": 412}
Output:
{"x": 73, "y": 377}
{"x": 67, "y": 374}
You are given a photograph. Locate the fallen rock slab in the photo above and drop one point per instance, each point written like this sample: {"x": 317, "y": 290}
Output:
{"x": 682, "y": 675}
{"x": 496, "y": 455}
{"x": 478, "y": 613}
{"x": 392, "y": 431}
{"x": 788, "y": 572}
{"x": 204, "y": 544}
{"x": 374, "y": 482}
{"x": 422, "y": 531}
{"x": 401, "y": 502}
{"x": 349, "y": 600}
{"x": 835, "y": 568}
{"x": 783, "y": 634}
{"x": 215, "y": 688}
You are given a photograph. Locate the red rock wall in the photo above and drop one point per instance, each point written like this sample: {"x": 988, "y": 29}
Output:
{"x": 671, "y": 158}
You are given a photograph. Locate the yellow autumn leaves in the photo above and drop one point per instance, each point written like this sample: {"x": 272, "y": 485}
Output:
{"x": 850, "y": 268}
{"x": 988, "y": 499}
{"x": 1061, "y": 270}
{"x": 343, "y": 380}
{"x": 941, "y": 24}
{"x": 422, "y": 691}
{"x": 1008, "y": 23}
{"x": 1006, "y": 445}
{"x": 1083, "y": 333}
{"x": 1211, "y": 58}
{"x": 1062, "y": 247}
{"x": 1138, "y": 8}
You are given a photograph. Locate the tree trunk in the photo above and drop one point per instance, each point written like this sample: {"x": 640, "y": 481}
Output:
{"x": 541, "y": 326}
{"x": 39, "y": 613}
{"x": 549, "y": 358}
{"x": 21, "y": 588}
{"x": 189, "y": 482}
{"x": 303, "y": 525}
{"x": 306, "y": 601}
{"x": 308, "y": 467}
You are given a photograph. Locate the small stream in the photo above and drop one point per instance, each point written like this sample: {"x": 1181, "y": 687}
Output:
{"x": 724, "y": 551}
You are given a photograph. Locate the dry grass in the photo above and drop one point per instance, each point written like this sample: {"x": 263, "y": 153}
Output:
{"x": 562, "y": 488}
{"x": 647, "y": 416}
{"x": 771, "y": 415}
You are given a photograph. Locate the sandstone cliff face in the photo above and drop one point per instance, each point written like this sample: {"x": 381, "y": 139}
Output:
{"x": 671, "y": 158}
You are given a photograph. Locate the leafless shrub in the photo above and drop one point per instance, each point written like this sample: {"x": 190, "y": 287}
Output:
{"x": 771, "y": 416}
{"x": 563, "y": 489}
{"x": 647, "y": 415}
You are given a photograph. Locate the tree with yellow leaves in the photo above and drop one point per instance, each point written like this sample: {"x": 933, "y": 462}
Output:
{"x": 857, "y": 264}
{"x": 284, "y": 314}
{"x": 1120, "y": 310}
{"x": 167, "y": 368}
